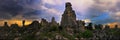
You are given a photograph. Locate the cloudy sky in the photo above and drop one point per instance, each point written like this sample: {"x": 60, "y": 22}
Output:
{"x": 95, "y": 11}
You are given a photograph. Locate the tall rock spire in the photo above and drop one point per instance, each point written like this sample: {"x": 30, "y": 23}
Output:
{"x": 69, "y": 16}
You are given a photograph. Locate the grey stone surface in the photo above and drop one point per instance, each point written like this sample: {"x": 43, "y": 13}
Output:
{"x": 69, "y": 16}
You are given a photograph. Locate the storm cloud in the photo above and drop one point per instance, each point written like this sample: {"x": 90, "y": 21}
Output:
{"x": 96, "y": 11}
{"x": 12, "y": 8}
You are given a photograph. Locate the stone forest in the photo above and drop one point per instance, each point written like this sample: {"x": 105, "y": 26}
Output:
{"x": 68, "y": 29}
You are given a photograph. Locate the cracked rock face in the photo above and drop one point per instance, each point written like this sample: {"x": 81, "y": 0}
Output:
{"x": 69, "y": 16}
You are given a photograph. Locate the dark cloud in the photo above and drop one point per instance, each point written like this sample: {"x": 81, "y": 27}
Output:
{"x": 34, "y": 14}
{"x": 12, "y": 8}
{"x": 9, "y": 7}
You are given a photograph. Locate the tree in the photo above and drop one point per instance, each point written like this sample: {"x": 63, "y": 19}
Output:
{"x": 99, "y": 26}
{"x": 89, "y": 26}
{"x": 87, "y": 34}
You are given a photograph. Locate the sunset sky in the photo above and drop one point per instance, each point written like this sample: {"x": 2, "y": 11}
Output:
{"x": 95, "y": 11}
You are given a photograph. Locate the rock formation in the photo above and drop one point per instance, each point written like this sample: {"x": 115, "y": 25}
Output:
{"x": 6, "y": 27}
{"x": 23, "y": 23}
{"x": 69, "y": 16}
{"x": 44, "y": 22}
{"x": 35, "y": 25}
{"x": 107, "y": 27}
{"x": 90, "y": 26}
{"x": 5, "y": 24}
{"x": 14, "y": 27}
{"x": 53, "y": 22}
{"x": 81, "y": 25}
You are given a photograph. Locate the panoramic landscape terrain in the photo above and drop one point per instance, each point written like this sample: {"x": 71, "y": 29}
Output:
{"x": 59, "y": 20}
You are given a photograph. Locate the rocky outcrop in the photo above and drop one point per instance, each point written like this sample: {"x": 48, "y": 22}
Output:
{"x": 6, "y": 27}
{"x": 34, "y": 24}
{"x": 81, "y": 25}
{"x": 69, "y": 16}
{"x": 23, "y": 23}
{"x": 44, "y": 23}
{"x": 53, "y": 22}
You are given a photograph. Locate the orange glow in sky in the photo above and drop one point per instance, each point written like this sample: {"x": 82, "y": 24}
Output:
{"x": 112, "y": 25}
{"x": 19, "y": 22}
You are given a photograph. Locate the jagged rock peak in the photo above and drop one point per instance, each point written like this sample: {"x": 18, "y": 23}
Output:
{"x": 69, "y": 16}
{"x": 68, "y": 4}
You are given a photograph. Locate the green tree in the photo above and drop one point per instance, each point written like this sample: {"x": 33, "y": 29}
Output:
{"x": 87, "y": 34}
